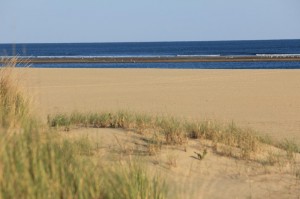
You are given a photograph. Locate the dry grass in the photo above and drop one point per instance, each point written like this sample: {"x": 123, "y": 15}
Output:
{"x": 227, "y": 139}
{"x": 172, "y": 160}
{"x": 130, "y": 180}
{"x": 15, "y": 108}
{"x": 174, "y": 131}
{"x": 35, "y": 163}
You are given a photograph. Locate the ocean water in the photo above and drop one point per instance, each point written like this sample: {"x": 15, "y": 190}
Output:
{"x": 160, "y": 49}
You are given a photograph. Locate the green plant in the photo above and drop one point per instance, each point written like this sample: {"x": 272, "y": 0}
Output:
{"x": 273, "y": 158}
{"x": 154, "y": 144}
{"x": 173, "y": 130}
{"x": 229, "y": 140}
{"x": 291, "y": 149}
{"x": 14, "y": 106}
{"x": 143, "y": 122}
{"x": 103, "y": 120}
{"x": 134, "y": 182}
{"x": 59, "y": 120}
{"x": 38, "y": 164}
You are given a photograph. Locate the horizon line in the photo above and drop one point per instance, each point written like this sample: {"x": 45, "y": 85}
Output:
{"x": 106, "y": 42}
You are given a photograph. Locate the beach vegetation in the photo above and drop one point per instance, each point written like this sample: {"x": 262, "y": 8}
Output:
{"x": 290, "y": 147}
{"x": 37, "y": 162}
{"x": 227, "y": 139}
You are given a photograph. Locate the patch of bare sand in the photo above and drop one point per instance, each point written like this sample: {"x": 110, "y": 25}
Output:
{"x": 266, "y": 100}
{"x": 214, "y": 176}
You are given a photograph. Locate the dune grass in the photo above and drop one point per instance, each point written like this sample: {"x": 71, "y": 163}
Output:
{"x": 228, "y": 139}
{"x": 14, "y": 107}
{"x": 37, "y": 163}
{"x": 174, "y": 131}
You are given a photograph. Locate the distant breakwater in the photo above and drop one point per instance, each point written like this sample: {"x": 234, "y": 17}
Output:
{"x": 175, "y": 59}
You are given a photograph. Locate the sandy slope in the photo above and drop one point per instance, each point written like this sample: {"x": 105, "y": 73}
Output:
{"x": 188, "y": 177}
{"x": 267, "y": 100}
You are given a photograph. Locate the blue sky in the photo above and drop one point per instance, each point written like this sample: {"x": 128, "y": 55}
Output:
{"x": 36, "y": 21}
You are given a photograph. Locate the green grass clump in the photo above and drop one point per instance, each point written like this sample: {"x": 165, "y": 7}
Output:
{"x": 244, "y": 139}
{"x": 174, "y": 131}
{"x": 135, "y": 183}
{"x": 35, "y": 163}
{"x": 143, "y": 122}
{"x": 290, "y": 147}
{"x": 234, "y": 141}
{"x": 203, "y": 130}
{"x": 60, "y": 120}
{"x": 14, "y": 107}
{"x": 35, "y": 166}
{"x": 100, "y": 120}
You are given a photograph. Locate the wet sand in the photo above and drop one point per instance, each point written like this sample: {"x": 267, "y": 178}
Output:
{"x": 266, "y": 100}
{"x": 167, "y": 59}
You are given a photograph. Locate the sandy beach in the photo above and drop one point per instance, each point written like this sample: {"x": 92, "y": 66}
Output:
{"x": 266, "y": 100}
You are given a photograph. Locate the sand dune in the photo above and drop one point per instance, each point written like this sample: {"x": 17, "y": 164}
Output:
{"x": 215, "y": 176}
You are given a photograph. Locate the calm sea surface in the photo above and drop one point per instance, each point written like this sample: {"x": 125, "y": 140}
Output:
{"x": 160, "y": 49}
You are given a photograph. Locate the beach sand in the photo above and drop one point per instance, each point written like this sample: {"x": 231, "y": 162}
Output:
{"x": 266, "y": 100}
{"x": 215, "y": 176}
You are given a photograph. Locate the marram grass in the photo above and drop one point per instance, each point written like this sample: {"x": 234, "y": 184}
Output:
{"x": 15, "y": 108}
{"x": 39, "y": 164}
{"x": 174, "y": 131}
{"x": 177, "y": 132}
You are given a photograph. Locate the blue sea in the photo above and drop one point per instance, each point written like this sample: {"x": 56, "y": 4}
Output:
{"x": 160, "y": 49}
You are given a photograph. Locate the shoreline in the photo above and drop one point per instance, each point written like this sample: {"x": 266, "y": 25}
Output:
{"x": 175, "y": 59}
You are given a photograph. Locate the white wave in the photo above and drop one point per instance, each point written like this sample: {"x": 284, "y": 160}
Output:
{"x": 278, "y": 55}
{"x": 151, "y": 56}
{"x": 198, "y": 55}
{"x": 89, "y": 57}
